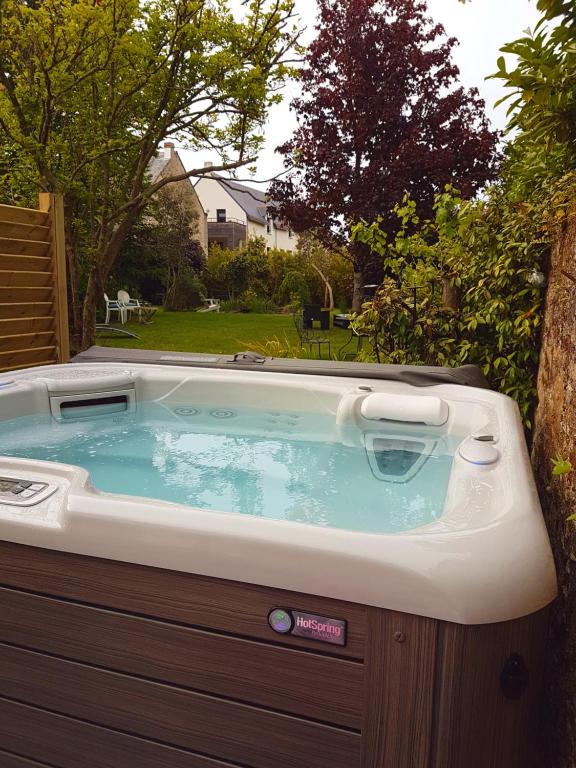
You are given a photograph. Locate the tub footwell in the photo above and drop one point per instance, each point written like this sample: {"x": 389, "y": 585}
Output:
{"x": 105, "y": 663}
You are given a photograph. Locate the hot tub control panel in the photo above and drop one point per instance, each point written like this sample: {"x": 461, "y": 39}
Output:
{"x": 24, "y": 493}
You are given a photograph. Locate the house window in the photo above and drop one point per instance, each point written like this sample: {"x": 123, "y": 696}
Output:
{"x": 221, "y": 215}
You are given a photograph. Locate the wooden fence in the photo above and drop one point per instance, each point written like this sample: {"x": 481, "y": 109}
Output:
{"x": 33, "y": 299}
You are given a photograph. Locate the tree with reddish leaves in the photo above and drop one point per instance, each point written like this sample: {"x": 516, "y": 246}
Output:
{"x": 381, "y": 114}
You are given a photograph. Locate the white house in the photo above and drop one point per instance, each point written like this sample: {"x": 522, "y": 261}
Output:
{"x": 237, "y": 212}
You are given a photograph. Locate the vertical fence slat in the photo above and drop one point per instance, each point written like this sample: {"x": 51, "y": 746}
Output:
{"x": 54, "y": 205}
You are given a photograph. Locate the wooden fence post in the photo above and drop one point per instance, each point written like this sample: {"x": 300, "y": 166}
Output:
{"x": 54, "y": 205}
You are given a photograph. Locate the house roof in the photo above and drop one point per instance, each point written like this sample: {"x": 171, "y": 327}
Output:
{"x": 156, "y": 166}
{"x": 252, "y": 201}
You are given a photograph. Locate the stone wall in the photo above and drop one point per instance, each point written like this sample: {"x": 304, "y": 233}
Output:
{"x": 555, "y": 435}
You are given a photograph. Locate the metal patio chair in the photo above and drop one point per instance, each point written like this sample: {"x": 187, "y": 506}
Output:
{"x": 307, "y": 337}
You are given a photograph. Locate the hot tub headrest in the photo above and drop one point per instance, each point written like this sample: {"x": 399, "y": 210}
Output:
{"x": 70, "y": 379}
{"x": 422, "y": 409}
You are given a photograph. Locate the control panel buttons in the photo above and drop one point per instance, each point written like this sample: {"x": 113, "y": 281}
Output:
{"x": 15, "y": 491}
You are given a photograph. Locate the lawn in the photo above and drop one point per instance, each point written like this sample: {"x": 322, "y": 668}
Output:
{"x": 223, "y": 333}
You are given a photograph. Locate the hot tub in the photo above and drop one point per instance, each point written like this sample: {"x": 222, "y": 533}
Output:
{"x": 215, "y": 563}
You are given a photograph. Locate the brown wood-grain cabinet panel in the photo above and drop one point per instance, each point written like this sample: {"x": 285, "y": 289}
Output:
{"x": 217, "y": 604}
{"x": 14, "y": 761}
{"x": 400, "y": 668}
{"x": 201, "y": 723}
{"x": 66, "y": 743}
{"x": 305, "y": 684}
{"x": 477, "y": 725}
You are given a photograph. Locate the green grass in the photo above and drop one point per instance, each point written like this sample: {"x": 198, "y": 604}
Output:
{"x": 222, "y": 333}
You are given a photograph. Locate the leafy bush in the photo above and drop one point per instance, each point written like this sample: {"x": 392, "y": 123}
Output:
{"x": 185, "y": 292}
{"x": 249, "y": 302}
{"x": 294, "y": 288}
{"x": 480, "y": 302}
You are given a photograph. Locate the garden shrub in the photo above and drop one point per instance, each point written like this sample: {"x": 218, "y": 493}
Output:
{"x": 293, "y": 288}
{"x": 479, "y": 264}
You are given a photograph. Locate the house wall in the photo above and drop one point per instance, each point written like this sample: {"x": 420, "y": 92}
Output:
{"x": 280, "y": 239}
{"x": 186, "y": 189}
{"x": 258, "y": 230}
{"x": 213, "y": 196}
{"x": 276, "y": 238}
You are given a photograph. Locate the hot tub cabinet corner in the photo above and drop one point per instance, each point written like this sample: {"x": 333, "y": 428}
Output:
{"x": 106, "y": 664}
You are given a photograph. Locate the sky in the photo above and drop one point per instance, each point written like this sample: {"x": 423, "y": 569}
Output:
{"x": 480, "y": 26}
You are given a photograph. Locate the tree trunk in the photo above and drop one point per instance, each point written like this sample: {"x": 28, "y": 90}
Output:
{"x": 554, "y": 436}
{"x": 104, "y": 261}
{"x": 450, "y": 294}
{"x": 92, "y": 296}
{"x": 358, "y": 291}
{"x": 74, "y": 306}
{"x": 361, "y": 255}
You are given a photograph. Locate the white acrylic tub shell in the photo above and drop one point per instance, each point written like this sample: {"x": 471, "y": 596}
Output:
{"x": 487, "y": 559}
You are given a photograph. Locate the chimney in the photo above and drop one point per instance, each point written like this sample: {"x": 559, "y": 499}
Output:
{"x": 168, "y": 149}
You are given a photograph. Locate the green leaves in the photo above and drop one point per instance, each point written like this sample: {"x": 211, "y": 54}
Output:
{"x": 542, "y": 90}
{"x": 475, "y": 303}
{"x": 561, "y": 467}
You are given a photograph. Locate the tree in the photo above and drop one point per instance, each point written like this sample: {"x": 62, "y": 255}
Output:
{"x": 381, "y": 114}
{"x": 162, "y": 254}
{"x": 89, "y": 90}
{"x": 543, "y": 97}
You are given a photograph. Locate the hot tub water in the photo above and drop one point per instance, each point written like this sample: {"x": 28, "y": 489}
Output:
{"x": 249, "y": 461}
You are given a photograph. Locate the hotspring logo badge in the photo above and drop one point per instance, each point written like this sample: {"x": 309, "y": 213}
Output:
{"x": 308, "y": 625}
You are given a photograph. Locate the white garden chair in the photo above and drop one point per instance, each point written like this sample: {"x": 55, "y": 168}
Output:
{"x": 128, "y": 304}
{"x": 113, "y": 305}
{"x": 212, "y": 305}
{"x": 144, "y": 310}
